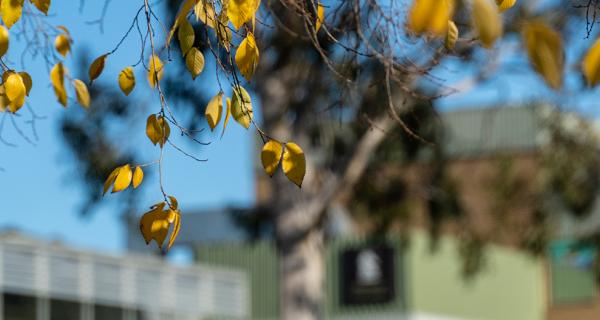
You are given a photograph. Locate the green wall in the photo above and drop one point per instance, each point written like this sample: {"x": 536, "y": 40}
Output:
{"x": 260, "y": 262}
{"x": 510, "y": 287}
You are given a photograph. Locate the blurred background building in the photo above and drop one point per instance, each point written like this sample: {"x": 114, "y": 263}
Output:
{"x": 43, "y": 281}
{"x": 415, "y": 273}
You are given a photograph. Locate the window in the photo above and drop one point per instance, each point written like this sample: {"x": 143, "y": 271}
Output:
{"x": 17, "y": 307}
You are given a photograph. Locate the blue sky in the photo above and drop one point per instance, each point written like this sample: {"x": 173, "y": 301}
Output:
{"x": 39, "y": 189}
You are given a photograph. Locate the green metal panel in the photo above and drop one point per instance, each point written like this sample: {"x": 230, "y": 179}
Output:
{"x": 259, "y": 261}
{"x": 511, "y": 285}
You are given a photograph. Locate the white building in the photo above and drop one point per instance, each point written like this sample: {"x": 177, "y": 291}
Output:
{"x": 42, "y": 281}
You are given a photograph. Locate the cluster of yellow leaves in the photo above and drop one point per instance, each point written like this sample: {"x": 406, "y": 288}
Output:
{"x": 194, "y": 59}
{"x": 126, "y": 78}
{"x": 240, "y": 107}
{"x": 157, "y": 130}
{"x": 291, "y": 157}
{"x": 57, "y": 78}
{"x": 11, "y": 10}
{"x": 205, "y": 12}
{"x": 434, "y": 17}
{"x": 122, "y": 177}
{"x": 238, "y": 12}
{"x": 155, "y": 224}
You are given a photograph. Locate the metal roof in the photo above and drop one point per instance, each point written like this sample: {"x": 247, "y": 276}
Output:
{"x": 488, "y": 130}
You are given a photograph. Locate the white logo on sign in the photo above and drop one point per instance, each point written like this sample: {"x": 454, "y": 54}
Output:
{"x": 368, "y": 267}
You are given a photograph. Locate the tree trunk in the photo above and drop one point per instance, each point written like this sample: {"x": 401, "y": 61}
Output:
{"x": 301, "y": 276}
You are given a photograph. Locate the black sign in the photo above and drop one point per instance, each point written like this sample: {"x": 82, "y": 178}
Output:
{"x": 367, "y": 275}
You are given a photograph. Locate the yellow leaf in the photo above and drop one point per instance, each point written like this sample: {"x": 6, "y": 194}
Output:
{"x": 241, "y": 106}
{"x": 11, "y": 11}
{"x": 42, "y": 5}
{"x": 123, "y": 179}
{"x": 154, "y": 225}
{"x": 181, "y": 15}
{"x": 57, "y": 77}
{"x": 4, "y": 36}
{"x": 176, "y": 226}
{"x": 320, "y": 16}
{"x": 546, "y": 53}
{"x": 430, "y": 16}
{"x": 127, "y": 80}
{"x": 214, "y": 109}
{"x": 247, "y": 56}
{"x": 504, "y": 5}
{"x": 155, "y": 70}
{"x": 138, "y": 176}
{"x": 27, "y": 81}
{"x": 62, "y": 43}
{"x": 15, "y": 91}
{"x": 591, "y": 64}
{"x": 14, "y": 86}
{"x": 194, "y": 61}
{"x": 487, "y": 22}
{"x": 97, "y": 67}
{"x": 270, "y": 156}
{"x": 205, "y": 12}
{"x": 186, "y": 36}
{"x": 241, "y": 11}
{"x": 82, "y": 93}
{"x": 110, "y": 180}
{"x": 227, "y": 114}
{"x": 451, "y": 36}
{"x": 294, "y": 163}
{"x": 223, "y": 31}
